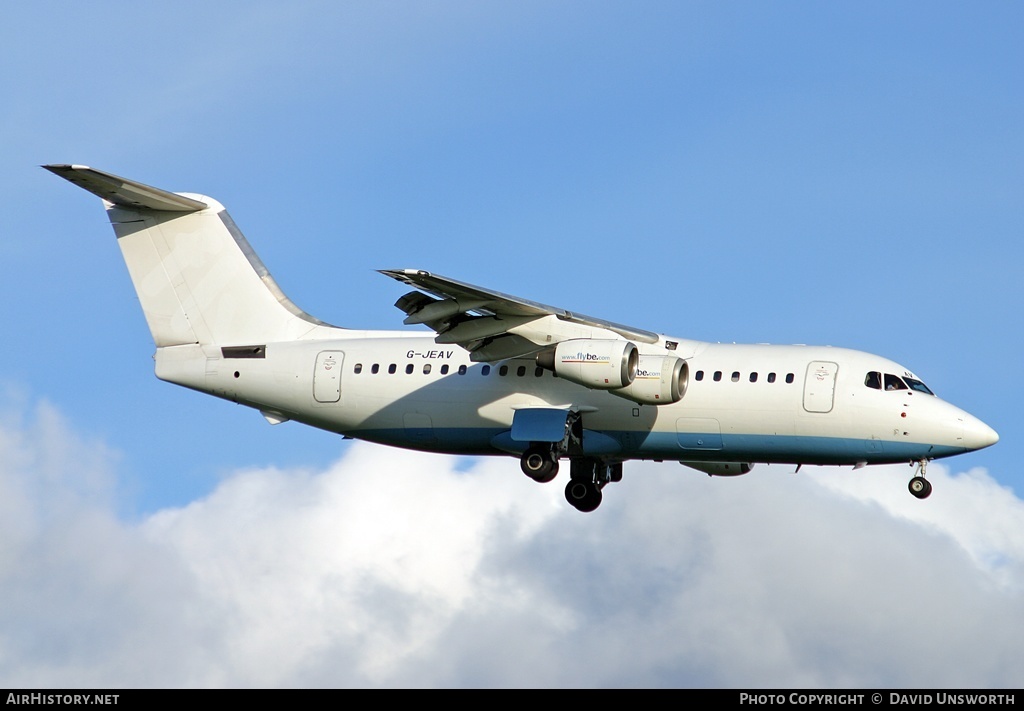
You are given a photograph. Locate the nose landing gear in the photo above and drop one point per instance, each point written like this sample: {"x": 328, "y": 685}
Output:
{"x": 919, "y": 486}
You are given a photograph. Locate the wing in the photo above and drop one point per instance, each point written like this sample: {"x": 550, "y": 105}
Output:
{"x": 494, "y": 326}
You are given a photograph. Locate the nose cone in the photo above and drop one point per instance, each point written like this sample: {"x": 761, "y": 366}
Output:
{"x": 978, "y": 435}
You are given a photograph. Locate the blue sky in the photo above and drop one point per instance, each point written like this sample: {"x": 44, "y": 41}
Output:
{"x": 749, "y": 172}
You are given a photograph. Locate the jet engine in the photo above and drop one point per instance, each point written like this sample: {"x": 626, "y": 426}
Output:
{"x": 594, "y": 363}
{"x": 660, "y": 380}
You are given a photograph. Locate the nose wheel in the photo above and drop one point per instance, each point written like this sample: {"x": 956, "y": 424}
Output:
{"x": 919, "y": 486}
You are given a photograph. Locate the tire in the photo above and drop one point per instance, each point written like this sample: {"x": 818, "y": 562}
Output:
{"x": 920, "y": 487}
{"x": 584, "y": 496}
{"x": 539, "y": 463}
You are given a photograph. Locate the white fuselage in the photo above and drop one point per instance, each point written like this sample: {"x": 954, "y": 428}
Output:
{"x": 750, "y": 403}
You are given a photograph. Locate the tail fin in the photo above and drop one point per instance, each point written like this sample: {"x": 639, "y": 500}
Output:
{"x": 197, "y": 278}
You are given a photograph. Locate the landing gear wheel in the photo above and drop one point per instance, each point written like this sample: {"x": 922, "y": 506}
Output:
{"x": 920, "y": 487}
{"x": 540, "y": 464}
{"x": 585, "y": 496}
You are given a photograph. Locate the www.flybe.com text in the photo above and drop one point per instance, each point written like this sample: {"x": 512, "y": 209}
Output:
{"x": 64, "y": 699}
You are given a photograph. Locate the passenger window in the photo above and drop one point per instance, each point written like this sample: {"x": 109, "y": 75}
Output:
{"x": 392, "y": 368}
{"x": 771, "y": 377}
{"x": 873, "y": 380}
{"x": 503, "y": 370}
{"x": 486, "y": 370}
{"x": 408, "y": 369}
{"x": 789, "y": 377}
{"x": 444, "y": 369}
{"x": 521, "y": 371}
{"x": 892, "y": 382}
{"x": 462, "y": 370}
{"x": 753, "y": 377}
{"x": 359, "y": 368}
{"x": 538, "y": 372}
{"x": 718, "y": 375}
{"x": 735, "y": 376}
{"x": 426, "y": 368}
{"x": 375, "y": 368}
{"x": 699, "y": 375}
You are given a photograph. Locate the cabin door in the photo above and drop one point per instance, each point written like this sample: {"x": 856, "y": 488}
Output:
{"x": 327, "y": 376}
{"x": 820, "y": 386}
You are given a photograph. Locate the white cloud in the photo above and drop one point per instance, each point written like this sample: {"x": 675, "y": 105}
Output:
{"x": 396, "y": 568}
{"x": 983, "y": 517}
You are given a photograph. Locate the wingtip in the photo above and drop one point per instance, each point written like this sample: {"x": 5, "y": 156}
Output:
{"x": 399, "y": 273}
{"x": 57, "y": 167}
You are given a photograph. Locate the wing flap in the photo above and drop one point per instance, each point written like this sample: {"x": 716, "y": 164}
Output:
{"x": 481, "y": 327}
{"x": 476, "y": 298}
{"x": 486, "y": 321}
{"x": 502, "y": 347}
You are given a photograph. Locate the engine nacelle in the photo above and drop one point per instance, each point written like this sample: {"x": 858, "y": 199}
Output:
{"x": 600, "y": 364}
{"x": 660, "y": 380}
{"x": 720, "y": 468}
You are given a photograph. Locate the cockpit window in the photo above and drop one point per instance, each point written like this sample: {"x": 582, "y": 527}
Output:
{"x": 917, "y": 385}
{"x": 893, "y": 382}
{"x": 873, "y": 380}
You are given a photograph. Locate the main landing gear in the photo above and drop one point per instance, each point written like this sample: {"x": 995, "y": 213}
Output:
{"x": 587, "y": 475}
{"x": 919, "y": 486}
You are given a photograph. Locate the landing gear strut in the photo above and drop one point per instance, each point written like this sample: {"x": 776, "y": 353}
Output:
{"x": 919, "y": 486}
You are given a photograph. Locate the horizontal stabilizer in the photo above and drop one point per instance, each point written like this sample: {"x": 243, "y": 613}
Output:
{"x": 124, "y": 192}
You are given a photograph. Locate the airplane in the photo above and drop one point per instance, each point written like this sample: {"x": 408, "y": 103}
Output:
{"x": 502, "y": 375}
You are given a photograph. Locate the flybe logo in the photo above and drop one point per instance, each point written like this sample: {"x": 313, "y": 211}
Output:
{"x": 641, "y": 373}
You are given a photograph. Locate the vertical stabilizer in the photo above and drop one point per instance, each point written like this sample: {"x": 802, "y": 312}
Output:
{"x": 197, "y": 278}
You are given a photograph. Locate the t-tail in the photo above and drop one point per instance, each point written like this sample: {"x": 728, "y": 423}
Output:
{"x": 198, "y": 280}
